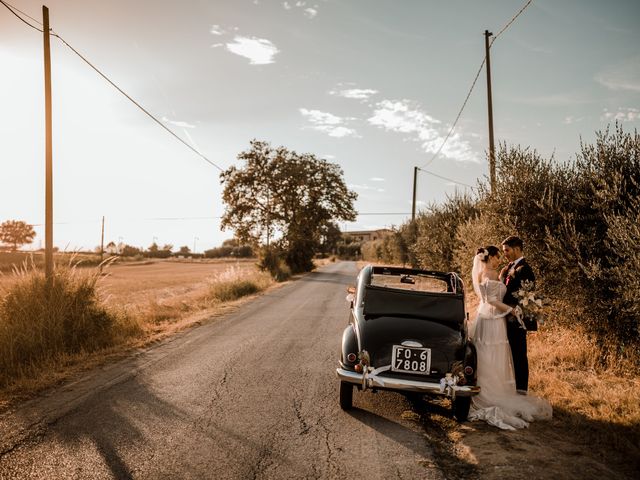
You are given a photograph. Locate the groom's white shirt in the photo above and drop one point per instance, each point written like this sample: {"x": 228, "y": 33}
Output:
{"x": 512, "y": 270}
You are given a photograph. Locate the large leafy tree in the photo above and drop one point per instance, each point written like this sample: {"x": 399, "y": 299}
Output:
{"x": 283, "y": 198}
{"x": 16, "y": 233}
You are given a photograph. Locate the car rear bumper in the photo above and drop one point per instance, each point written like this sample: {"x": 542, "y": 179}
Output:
{"x": 373, "y": 380}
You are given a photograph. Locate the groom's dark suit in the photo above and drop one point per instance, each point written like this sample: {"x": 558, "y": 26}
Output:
{"x": 513, "y": 278}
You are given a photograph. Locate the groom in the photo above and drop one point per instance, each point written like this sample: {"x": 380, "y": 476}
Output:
{"x": 517, "y": 271}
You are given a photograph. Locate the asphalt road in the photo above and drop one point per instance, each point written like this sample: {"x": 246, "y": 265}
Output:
{"x": 250, "y": 395}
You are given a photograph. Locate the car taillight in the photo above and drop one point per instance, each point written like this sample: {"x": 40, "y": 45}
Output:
{"x": 351, "y": 357}
{"x": 468, "y": 370}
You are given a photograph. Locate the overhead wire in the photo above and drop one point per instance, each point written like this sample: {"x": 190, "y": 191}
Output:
{"x": 475, "y": 80}
{"x": 510, "y": 22}
{"x": 81, "y": 222}
{"x": 11, "y": 9}
{"x": 448, "y": 179}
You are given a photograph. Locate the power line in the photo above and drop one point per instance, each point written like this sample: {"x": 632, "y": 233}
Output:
{"x": 511, "y": 21}
{"x": 11, "y": 9}
{"x": 455, "y": 122}
{"x": 448, "y": 179}
{"x": 484, "y": 60}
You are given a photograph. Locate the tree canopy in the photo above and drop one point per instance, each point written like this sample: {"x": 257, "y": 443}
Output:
{"x": 16, "y": 233}
{"x": 285, "y": 199}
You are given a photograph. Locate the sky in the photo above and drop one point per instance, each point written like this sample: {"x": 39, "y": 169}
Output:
{"x": 372, "y": 85}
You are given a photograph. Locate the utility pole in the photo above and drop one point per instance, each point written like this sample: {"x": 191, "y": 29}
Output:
{"x": 492, "y": 148}
{"x": 48, "y": 222}
{"x": 413, "y": 203}
{"x": 102, "y": 242}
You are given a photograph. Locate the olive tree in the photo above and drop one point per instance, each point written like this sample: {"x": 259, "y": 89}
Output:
{"x": 283, "y": 199}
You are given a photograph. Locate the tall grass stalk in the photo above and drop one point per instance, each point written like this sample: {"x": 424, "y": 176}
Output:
{"x": 42, "y": 321}
{"x": 233, "y": 283}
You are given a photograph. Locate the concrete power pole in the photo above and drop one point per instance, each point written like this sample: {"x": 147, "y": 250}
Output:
{"x": 492, "y": 148}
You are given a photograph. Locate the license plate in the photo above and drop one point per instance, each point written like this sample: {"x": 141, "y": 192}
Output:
{"x": 411, "y": 359}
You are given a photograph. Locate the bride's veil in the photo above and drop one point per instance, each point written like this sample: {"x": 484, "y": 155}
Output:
{"x": 476, "y": 272}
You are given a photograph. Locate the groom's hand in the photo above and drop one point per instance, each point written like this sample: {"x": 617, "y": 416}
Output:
{"x": 503, "y": 272}
{"x": 517, "y": 312}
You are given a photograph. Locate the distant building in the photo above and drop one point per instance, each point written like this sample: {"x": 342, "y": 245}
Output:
{"x": 368, "y": 235}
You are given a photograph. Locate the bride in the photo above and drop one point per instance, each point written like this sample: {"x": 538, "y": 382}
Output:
{"x": 498, "y": 403}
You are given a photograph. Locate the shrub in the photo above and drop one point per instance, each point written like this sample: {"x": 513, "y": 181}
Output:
{"x": 233, "y": 284}
{"x": 436, "y": 232}
{"x": 272, "y": 261}
{"x": 476, "y": 232}
{"x": 579, "y": 221}
{"x": 41, "y": 321}
{"x": 242, "y": 251}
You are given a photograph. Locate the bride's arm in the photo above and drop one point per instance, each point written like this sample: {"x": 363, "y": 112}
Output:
{"x": 501, "y": 307}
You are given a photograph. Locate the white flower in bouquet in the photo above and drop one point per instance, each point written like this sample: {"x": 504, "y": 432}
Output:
{"x": 530, "y": 303}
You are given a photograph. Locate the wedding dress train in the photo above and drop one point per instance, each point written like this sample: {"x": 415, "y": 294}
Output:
{"x": 498, "y": 403}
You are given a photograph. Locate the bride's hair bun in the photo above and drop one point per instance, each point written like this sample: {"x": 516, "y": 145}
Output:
{"x": 485, "y": 252}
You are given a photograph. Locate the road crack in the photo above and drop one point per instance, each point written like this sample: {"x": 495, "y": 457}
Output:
{"x": 304, "y": 427}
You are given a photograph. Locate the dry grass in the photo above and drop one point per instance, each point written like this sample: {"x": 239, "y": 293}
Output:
{"x": 147, "y": 302}
{"x": 598, "y": 405}
{"x": 41, "y": 321}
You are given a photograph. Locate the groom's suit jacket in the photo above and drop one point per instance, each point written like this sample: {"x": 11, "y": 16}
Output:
{"x": 513, "y": 279}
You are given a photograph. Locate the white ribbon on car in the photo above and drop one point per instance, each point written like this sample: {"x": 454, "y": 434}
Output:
{"x": 447, "y": 383}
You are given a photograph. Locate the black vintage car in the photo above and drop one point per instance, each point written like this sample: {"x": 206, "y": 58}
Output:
{"x": 407, "y": 333}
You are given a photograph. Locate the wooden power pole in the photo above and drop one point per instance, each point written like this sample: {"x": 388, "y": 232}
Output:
{"x": 492, "y": 148}
{"x": 48, "y": 223}
{"x": 102, "y": 242}
{"x": 413, "y": 203}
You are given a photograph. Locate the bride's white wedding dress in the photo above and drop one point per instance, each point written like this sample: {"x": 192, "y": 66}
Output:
{"x": 498, "y": 403}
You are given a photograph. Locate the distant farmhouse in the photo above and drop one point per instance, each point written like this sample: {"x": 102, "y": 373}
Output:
{"x": 368, "y": 235}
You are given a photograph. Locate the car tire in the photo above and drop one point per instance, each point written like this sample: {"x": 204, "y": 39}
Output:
{"x": 461, "y": 407}
{"x": 346, "y": 395}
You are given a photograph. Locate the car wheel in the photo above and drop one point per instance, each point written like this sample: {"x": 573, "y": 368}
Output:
{"x": 461, "y": 407}
{"x": 346, "y": 395}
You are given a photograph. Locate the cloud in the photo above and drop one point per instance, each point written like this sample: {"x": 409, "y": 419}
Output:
{"x": 555, "y": 100}
{"x": 622, "y": 115}
{"x": 365, "y": 188}
{"x": 356, "y": 93}
{"x": 217, "y": 30}
{"x": 328, "y": 123}
{"x": 377, "y": 179}
{"x": 178, "y": 123}
{"x": 398, "y": 116}
{"x": 623, "y": 76}
{"x": 571, "y": 120}
{"x": 258, "y": 50}
{"x": 310, "y": 12}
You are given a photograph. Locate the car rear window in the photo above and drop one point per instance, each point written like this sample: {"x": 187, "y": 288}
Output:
{"x": 420, "y": 283}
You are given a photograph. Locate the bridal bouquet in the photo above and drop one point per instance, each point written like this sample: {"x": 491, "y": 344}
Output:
{"x": 531, "y": 305}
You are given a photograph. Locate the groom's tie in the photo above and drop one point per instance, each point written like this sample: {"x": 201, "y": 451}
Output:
{"x": 508, "y": 275}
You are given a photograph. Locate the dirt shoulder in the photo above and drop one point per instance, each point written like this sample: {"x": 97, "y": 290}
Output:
{"x": 546, "y": 450}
